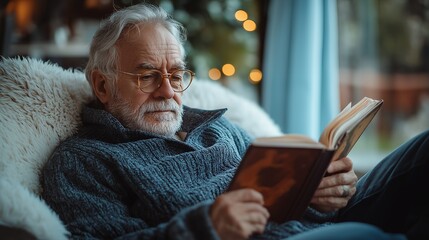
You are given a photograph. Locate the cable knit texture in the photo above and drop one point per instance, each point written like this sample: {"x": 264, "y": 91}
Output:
{"x": 111, "y": 182}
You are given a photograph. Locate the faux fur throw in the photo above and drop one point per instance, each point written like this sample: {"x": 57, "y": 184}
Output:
{"x": 40, "y": 105}
{"x": 19, "y": 208}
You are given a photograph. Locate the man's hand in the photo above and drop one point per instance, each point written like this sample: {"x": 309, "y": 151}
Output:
{"x": 239, "y": 214}
{"x": 337, "y": 187}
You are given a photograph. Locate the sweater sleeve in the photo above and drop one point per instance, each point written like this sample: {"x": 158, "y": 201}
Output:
{"x": 92, "y": 201}
{"x": 313, "y": 215}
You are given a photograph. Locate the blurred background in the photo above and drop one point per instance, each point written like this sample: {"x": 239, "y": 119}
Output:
{"x": 377, "y": 48}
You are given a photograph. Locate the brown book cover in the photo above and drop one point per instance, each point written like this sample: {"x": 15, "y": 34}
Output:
{"x": 288, "y": 169}
{"x": 264, "y": 170}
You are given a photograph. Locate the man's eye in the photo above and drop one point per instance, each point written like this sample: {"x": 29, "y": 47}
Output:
{"x": 176, "y": 77}
{"x": 148, "y": 77}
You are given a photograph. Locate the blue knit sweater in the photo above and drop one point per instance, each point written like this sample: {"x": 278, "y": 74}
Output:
{"x": 111, "y": 182}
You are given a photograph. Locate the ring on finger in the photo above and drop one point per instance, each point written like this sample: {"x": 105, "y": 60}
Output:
{"x": 346, "y": 191}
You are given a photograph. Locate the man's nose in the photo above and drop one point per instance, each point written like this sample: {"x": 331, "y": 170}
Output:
{"x": 165, "y": 90}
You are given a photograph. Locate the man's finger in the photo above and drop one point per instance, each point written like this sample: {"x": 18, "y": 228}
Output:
{"x": 348, "y": 178}
{"x": 245, "y": 195}
{"x": 341, "y": 165}
{"x": 337, "y": 191}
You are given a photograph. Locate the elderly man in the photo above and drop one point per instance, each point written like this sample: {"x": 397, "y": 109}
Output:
{"x": 144, "y": 166}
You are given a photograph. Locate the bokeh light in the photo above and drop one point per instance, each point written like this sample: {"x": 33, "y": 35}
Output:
{"x": 249, "y": 25}
{"x": 214, "y": 74}
{"x": 241, "y": 15}
{"x": 255, "y": 76}
{"x": 228, "y": 69}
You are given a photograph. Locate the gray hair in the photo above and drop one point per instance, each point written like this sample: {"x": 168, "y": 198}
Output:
{"x": 103, "y": 54}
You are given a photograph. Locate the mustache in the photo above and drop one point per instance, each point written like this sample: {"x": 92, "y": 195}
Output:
{"x": 165, "y": 105}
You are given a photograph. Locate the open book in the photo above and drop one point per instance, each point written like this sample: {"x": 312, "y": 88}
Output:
{"x": 288, "y": 169}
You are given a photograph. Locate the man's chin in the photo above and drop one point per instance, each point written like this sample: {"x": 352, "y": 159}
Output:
{"x": 161, "y": 118}
{"x": 166, "y": 128}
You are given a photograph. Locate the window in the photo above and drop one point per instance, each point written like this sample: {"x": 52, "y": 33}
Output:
{"x": 384, "y": 53}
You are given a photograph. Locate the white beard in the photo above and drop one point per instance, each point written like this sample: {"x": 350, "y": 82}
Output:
{"x": 146, "y": 118}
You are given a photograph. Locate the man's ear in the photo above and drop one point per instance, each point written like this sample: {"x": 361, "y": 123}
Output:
{"x": 100, "y": 86}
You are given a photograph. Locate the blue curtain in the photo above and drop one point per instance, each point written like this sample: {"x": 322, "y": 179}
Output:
{"x": 300, "y": 87}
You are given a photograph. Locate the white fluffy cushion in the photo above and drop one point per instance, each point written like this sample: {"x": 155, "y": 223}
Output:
{"x": 20, "y": 208}
{"x": 207, "y": 94}
{"x": 40, "y": 105}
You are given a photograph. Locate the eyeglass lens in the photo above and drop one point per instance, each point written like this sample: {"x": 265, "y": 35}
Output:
{"x": 151, "y": 80}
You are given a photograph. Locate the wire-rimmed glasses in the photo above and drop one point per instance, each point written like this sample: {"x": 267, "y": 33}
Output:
{"x": 151, "y": 79}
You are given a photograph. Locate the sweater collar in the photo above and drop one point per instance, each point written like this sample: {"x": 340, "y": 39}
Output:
{"x": 193, "y": 119}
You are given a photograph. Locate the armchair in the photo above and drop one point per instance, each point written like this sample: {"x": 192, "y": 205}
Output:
{"x": 40, "y": 105}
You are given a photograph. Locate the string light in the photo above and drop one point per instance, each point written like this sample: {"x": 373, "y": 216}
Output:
{"x": 255, "y": 76}
{"x": 228, "y": 69}
{"x": 241, "y": 15}
{"x": 249, "y": 25}
{"x": 214, "y": 74}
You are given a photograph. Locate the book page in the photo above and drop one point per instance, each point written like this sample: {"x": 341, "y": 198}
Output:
{"x": 288, "y": 140}
{"x": 329, "y": 129}
{"x": 354, "y": 131}
{"x": 349, "y": 125}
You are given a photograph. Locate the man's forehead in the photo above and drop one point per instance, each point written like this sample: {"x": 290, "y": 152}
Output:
{"x": 153, "y": 39}
{"x": 170, "y": 51}
{"x": 154, "y": 47}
